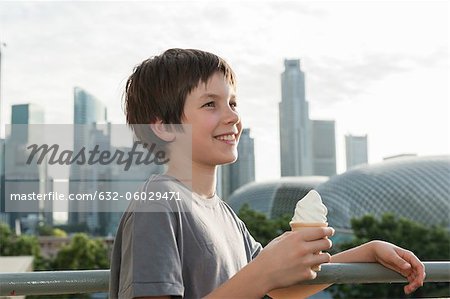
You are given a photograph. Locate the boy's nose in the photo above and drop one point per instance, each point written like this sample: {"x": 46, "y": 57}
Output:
{"x": 231, "y": 116}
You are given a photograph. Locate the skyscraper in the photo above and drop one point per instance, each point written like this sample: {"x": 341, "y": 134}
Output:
{"x": 243, "y": 170}
{"x": 232, "y": 176}
{"x": 324, "y": 147}
{"x": 4, "y": 217}
{"x": 24, "y": 115}
{"x": 21, "y": 177}
{"x": 295, "y": 126}
{"x": 88, "y": 112}
{"x": 355, "y": 150}
{"x": 307, "y": 147}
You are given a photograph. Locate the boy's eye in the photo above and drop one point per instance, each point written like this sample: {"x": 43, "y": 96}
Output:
{"x": 233, "y": 104}
{"x": 209, "y": 104}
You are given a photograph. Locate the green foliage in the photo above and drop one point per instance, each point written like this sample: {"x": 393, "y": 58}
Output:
{"x": 47, "y": 230}
{"x": 82, "y": 253}
{"x": 5, "y": 239}
{"x": 44, "y": 230}
{"x": 74, "y": 228}
{"x": 263, "y": 229}
{"x": 12, "y": 245}
{"x": 57, "y": 232}
{"x": 429, "y": 243}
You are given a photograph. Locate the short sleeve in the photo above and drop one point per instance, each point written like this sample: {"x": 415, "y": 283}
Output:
{"x": 150, "y": 258}
{"x": 254, "y": 247}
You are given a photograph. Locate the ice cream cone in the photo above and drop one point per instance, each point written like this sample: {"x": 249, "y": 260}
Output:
{"x": 310, "y": 212}
{"x": 295, "y": 226}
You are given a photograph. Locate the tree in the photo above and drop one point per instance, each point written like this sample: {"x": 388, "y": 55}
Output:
{"x": 47, "y": 230}
{"x": 5, "y": 239}
{"x": 261, "y": 228}
{"x": 44, "y": 229}
{"x": 57, "y": 232}
{"x": 429, "y": 243}
{"x": 82, "y": 253}
{"x": 12, "y": 245}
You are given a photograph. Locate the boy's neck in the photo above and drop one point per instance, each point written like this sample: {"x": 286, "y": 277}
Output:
{"x": 200, "y": 179}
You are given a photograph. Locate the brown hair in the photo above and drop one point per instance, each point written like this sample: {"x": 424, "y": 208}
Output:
{"x": 158, "y": 87}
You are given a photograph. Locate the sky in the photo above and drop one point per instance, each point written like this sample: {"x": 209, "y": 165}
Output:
{"x": 379, "y": 68}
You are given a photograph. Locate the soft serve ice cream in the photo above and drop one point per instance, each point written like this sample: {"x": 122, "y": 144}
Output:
{"x": 310, "y": 211}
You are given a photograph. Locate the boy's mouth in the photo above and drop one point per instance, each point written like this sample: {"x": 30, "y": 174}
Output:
{"x": 227, "y": 138}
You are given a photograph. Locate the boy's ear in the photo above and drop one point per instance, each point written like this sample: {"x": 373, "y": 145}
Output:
{"x": 161, "y": 130}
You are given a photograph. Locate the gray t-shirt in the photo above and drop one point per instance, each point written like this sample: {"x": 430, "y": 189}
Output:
{"x": 184, "y": 248}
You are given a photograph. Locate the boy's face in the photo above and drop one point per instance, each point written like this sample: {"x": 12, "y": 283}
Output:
{"x": 216, "y": 126}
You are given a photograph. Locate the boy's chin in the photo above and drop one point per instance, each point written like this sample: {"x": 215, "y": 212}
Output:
{"x": 231, "y": 160}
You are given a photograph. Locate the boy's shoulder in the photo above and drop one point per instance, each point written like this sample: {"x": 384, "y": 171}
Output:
{"x": 160, "y": 193}
{"x": 165, "y": 185}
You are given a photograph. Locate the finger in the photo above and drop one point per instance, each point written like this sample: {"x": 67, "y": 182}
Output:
{"x": 414, "y": 283}
{"x": 317, "y": 259}
{"x": 408, "y": 289}
{"x": 321, "y": 258}
{"x": 412, "y": 280}
{"x": 411, "y": 259}
{"x": 318, "y": 245}
{"x": 416, "y": 265}
{"x": 315, "y": 233}
{"x": 417, "y": 279}
{"x": 419, "y": 270}
{"x": 405, "y": 270}
{"x": 411, "y": 287}
{"x": 399, "y": 263}
{"x": 312, "y": 274}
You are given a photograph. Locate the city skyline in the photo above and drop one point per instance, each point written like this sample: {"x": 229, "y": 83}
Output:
{"x": 384, "y": 79}
{"x": 307, "y": 146}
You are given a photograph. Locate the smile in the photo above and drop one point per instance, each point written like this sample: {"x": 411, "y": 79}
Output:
{"x": 229, "y": 138}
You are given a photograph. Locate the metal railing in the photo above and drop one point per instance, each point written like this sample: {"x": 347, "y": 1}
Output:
{"x": 92, "y": 281}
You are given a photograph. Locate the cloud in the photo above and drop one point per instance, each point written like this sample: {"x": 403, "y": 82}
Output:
{"x": 346, "y": 52}
{"x": 332, "y": 79}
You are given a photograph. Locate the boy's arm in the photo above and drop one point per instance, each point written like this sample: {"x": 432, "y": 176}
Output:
{"x": 387, "y": 254}
{"x": 285, "y": 261}
{"x": 288, "y": 259}
{"x": 391, "y": 256}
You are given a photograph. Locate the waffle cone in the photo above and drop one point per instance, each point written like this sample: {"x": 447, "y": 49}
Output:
{"x": 295, "y": 226}
{"x": 298, "y": 225}
{"x": 296, "y": 291}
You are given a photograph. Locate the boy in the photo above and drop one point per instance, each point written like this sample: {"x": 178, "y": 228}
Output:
{"x": 197, "y": 247}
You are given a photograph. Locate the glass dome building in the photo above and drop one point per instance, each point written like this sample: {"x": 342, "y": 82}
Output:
{"x": 417, "y": 188}
{"x": 274, "y": 198}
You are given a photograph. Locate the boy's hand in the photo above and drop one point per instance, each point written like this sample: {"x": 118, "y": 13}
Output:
{"x": 402, "y": 261}
{"x": 289, "y": 258}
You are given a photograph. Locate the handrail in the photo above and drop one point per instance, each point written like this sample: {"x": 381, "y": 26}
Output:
{"x": 54, "y": 282}
{"x": 91, "y": 281}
